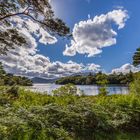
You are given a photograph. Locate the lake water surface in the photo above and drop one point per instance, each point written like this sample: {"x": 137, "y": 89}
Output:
{"x": 87, "y": 89}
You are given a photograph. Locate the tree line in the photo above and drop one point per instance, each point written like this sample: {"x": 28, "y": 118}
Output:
{"x": 98, "y": 78}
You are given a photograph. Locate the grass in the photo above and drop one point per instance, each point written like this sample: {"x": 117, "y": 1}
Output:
{"x": 34, "y": 116}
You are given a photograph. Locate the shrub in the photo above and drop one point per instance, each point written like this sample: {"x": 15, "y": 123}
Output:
{"x": 66, "y": 90}
{"x": 13, "y": 91}
{"x": 135, "y": 85}
{"x": 34, "y": 116}
{"x": 103, "y": 91}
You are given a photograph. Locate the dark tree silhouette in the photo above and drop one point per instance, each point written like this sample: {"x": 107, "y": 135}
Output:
{"x": 33, "y": 9}
{"x": 136, "y": 58}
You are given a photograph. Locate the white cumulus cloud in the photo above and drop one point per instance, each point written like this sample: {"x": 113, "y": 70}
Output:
{"x": 27, "y": 26}
{"x": 20, "y": 62}
{"x": 126, "y": 68}
{"x": 89, "y": 37}
{"x": 25, "y": 60}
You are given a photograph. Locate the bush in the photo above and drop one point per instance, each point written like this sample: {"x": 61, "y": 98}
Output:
{"x": 66, "y": 90}
{"x": 103, "y": 91}
{"x": 67, "y": 117}
{"x": 135, "y": 85}
{"x": 13, "y": 91}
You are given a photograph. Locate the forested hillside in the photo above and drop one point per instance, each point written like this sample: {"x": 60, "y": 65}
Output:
{"x": 124, "y": 79}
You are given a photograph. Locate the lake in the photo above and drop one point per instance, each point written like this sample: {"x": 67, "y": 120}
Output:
{"x": 87, "y": 89}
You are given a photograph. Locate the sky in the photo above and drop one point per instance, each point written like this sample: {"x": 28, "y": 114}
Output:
{"x": 128, "y": 39}
{"x": 105, "y": 36}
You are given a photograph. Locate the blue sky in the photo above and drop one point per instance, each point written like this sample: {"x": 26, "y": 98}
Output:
{"x": 128, "y": 39}
{"x": 106, "y": 34}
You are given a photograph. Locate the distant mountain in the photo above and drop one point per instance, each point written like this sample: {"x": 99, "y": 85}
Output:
{"x": 42, "y": 80}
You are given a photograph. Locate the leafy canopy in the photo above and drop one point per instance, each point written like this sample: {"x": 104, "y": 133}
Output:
{"x": 136, "y": 57}
{"x": 40, "y": 11}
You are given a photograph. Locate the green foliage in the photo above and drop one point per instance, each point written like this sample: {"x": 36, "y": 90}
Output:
{"x": 2, "y": 72}
{"x": 13, "y": 91}
{"x": 98, "y": 78}
{"x": 66, "y": 90}
{"x": 33, "y": 9}
{"x": 135, "y": 85}
{"x": 9, "y": 39}
{"x": 136, "y": 57}
{"x": 68, "y": 117}
{"x": 101, "y": 79}
{"x": 103, "y": 91}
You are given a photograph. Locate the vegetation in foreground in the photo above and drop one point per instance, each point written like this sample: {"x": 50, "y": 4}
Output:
{"x": 64, "y": 115}
{"x": 25, "y": 115}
